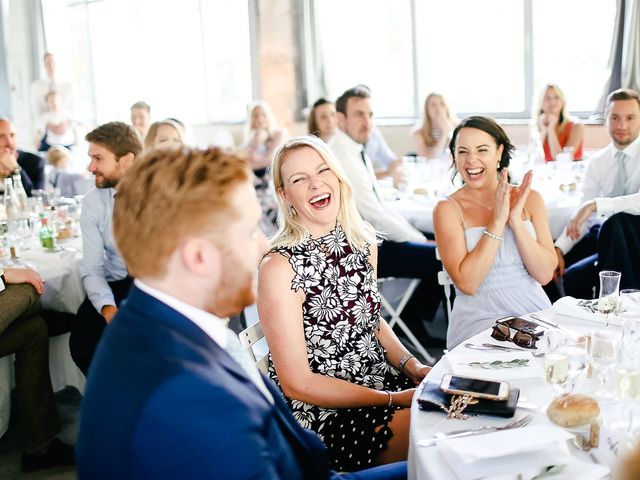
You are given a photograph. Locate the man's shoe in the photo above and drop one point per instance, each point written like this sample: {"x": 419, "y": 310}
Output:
{"x": 57, "y": 453}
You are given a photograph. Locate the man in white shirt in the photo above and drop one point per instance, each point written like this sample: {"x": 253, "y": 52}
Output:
{"x": 40, "y": 88}
{"x": 609, "y": 187}
{"x": 405, "y": 252}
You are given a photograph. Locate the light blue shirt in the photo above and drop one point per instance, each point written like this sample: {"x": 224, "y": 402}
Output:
{"x": 378, "y": 150}
{"x": 101, "y": 262}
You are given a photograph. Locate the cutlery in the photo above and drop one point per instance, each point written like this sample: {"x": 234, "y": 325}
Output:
{"x": 491, "y": 346}
{"x": 551, "y": 324}
{"x": 428, "y": 442}
{"x": 550, "y": 471}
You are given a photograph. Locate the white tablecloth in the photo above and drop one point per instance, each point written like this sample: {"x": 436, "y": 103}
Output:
{"x": 425, "y": 463}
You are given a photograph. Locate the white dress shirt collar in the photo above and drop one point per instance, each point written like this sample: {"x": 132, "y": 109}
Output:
{"x": 632, "y": 150}
{"x": 212, "y": 325}
{"x": 349, "y": 143}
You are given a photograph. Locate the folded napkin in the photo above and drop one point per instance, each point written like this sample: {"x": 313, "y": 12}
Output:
{"x": 460, "y": 365}
{"x": 506, "y": 451}
{"x": 582, "y": 310}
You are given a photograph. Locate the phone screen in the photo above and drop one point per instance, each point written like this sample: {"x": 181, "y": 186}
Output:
{"x": 473, "y": 385}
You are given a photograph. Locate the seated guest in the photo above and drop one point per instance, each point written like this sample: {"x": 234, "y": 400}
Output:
{"x": 171, "y": 393}
{"x": 70, "y": 184}
{"x": 431, "y": 139}
{"x": 405, "y": 252}
{"x": 141, "y": 119}
{"x": 556, "y": 128}
{"x": 493, "y": 238}
{"x": 164, "y": 133}
{"x": 112, "y": 149}
{"x": 24, "y": 333}
{"x": 30, "y": 165}
{"x": 612, "y": 172}
{"x": 336, "y": 360}
{"x": 56, "y": 125}
{"x": 261, "y": 136}
{"x": 322, "y": 121}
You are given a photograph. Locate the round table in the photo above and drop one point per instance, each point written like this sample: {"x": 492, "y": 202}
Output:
{"x": 425, "y": 463}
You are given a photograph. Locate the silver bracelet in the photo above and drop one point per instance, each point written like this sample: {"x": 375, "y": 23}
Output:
{"x": 492, "y": 235}
{"x": 390, "y": 399}
{"x": 403, "y": 361}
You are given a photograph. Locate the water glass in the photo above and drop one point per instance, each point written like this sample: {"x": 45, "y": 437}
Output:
{"x": 603, "y": 356}
{"x": 608, "y": 299}
{"x": 577, "y": 352}
{"x": 556, "y": 362}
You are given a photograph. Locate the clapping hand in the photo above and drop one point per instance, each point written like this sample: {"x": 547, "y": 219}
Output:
{"x": 503, "y": 202}
{"x": 519, "y": 197}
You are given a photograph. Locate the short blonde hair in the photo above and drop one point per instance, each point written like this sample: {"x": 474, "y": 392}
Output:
{"x": 170, "y": 194}
{"x": 153, "y": 132}
{"x": 291, "y": 230}
{"x": 57, "y": 154}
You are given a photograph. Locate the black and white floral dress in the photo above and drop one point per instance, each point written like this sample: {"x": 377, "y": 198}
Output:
{"x": 341, "y": 316}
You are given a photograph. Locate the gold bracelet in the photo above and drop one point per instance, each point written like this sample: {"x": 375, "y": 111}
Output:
{"x": 493, "y": 235}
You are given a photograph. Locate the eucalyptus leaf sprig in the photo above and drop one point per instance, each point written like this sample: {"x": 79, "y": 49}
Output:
{"x": 497, "y": 364}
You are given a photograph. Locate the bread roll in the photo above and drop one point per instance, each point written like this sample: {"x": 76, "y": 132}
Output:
{"x": 573, "y": 410}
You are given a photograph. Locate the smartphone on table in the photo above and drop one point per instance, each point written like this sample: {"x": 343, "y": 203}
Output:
{"x": 477, "y": 388}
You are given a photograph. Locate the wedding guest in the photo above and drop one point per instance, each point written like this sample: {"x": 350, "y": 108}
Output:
{"x": 112, "y": 149}
{"x": 141, "y": 118}
{"x": 56, "y": 125}
{"x": 167, "y": 132}
{"x": 30, "y": 166}
{"x": 322, "y": 121}
{"x": 23, "y": 333}
{"x": 431, "y": 138}
{"x": 40, "y": 88}
{"x": 261, "y": 136}
{"x": 344, "y": 372}
{"x": 557, "y": 129}
{"x": 612, "y": 172}
{"x": 493, "y": 237}
{"x": 70, "y": 184}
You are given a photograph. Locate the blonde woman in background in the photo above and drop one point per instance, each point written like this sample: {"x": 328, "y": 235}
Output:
{"x": 261, "y": 136}
{"x": 165, "y": 133}
{"x": 431, "y": 138}
{"x": 556, "y": 128}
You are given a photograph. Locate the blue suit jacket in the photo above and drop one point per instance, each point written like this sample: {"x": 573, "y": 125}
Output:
{"x": 163, "y": 400}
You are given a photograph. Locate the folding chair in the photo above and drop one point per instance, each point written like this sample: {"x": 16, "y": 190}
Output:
{"x": 445, "y": 280}
{"x": 249, "y": 337}
{"x": 395, "y": 313}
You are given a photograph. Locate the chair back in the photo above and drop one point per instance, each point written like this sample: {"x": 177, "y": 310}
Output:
{"x": 447, "y": 284}
{"x": 248, "y": 338}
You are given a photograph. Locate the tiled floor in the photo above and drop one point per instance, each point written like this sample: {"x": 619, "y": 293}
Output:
{"x": 68, "y": 401}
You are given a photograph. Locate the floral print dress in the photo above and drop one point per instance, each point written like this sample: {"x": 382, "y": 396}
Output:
{"x": 341, "y": 316}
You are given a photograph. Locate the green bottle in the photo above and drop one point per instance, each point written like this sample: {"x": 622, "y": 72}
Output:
{"x": 46, "y": 234}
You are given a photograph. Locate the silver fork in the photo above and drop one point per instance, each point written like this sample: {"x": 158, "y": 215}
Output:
{"x": 523, "y": 422}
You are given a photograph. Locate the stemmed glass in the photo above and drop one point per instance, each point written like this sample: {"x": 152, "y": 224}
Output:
{"x": 627, "y": 374}
{"x": 608, "y": 299}
{"x": 577, "y": 352}
{"x": 603, "y": 356}
{"x": 556, "y": 362}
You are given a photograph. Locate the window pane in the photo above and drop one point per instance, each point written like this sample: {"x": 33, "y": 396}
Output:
{"x": 473, "y": 53}
{"x": 375, "y": 51}
{"x": 571, "y": 44}
{"x": 188, "y": 59}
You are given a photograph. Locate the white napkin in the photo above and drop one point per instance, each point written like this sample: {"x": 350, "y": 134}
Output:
{"x": 506, "y": 451}
{"x": 568, "y": 307}
{"x": 460, "y": 365}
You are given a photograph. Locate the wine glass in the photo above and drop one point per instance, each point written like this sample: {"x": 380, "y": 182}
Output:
{"x": 577, "y": 352}
{"x": 627, "y": 374}
{"x": 603, "y": 356}
{"x": 608, "y": 299}
{"x": 556, "y": 362}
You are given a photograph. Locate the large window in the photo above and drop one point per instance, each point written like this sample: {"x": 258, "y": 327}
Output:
{"x": 188, "y": 59}
{"x": 489, "y": 56}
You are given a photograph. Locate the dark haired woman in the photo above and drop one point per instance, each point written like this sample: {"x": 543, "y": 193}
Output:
{"x": 323, "y": 120}
{"x": 493, "y": 237}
